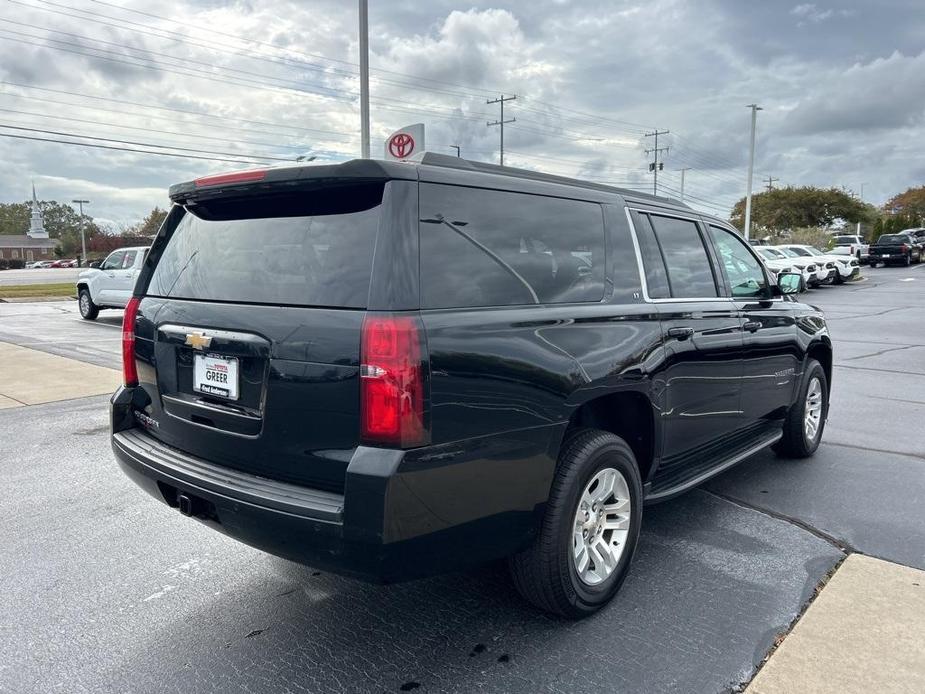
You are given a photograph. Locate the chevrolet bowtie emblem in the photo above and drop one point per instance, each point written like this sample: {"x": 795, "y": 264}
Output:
{"x": 198, "y": 340}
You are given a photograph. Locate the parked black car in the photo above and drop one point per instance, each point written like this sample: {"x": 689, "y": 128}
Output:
{"x": 896, "y": 249}
{"x": 393, "y": 369}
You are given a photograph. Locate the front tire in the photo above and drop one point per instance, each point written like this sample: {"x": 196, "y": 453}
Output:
{"x": 582, "y": 553}
{"x": 88, "y": 310}
{"x": 806, "y": 419}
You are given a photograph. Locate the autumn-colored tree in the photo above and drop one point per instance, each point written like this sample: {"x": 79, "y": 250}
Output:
{"x": 911, "y": 204}
{"x": 791, "y": 208}
{"x": 149, "y": 226}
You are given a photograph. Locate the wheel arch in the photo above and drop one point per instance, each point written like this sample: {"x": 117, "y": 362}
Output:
{"x": 821, "y": 351}
{"x": 630, "y": 415}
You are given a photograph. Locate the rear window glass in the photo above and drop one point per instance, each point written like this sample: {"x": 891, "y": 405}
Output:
{"x": 845, "y": 240}
{"x": 494, "y": 248}
{"x": 309, "y": 250}
{"x": 892, "y": 238}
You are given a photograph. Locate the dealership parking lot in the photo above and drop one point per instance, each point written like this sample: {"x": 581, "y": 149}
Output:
{"x": 108, "y": 590}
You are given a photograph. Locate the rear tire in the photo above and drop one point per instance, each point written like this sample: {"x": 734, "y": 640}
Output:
{"x": 547, "y": 573}
{"x": 806, "y": 418}
{"x": 88, "y": 310}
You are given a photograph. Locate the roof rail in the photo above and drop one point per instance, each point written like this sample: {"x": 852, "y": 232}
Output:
{"x": 451, "y": 162}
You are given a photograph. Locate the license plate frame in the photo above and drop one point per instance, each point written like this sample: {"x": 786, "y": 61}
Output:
{"x": 225, "y": 378}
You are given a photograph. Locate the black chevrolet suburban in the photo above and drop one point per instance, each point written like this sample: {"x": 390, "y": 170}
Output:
{"x": 394, "y": 369}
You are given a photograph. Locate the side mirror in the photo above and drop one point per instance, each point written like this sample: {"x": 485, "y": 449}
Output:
{"x": 95, "y": 264}
{"x": 789, "y": 282}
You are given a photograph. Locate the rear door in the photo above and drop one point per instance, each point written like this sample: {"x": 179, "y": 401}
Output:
{"x": 248, "y": 338}
{"x": 703, "y": 334}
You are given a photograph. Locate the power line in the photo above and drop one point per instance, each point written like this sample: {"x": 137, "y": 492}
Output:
{"x": 142, "y": 144}
{"x": 202, "y": 114}
{"x": 125, "y": 149}
{"x": 246, "y": 82}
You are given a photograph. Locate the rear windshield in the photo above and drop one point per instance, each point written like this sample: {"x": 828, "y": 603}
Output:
{"x": 845, "y": 240}
{"x": 892, "y": 238}
{"x": 314, "y": 249}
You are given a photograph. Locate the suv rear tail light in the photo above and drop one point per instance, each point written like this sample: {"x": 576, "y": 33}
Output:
{"x": 904, "y": 248}
{"x": 392, "y": 381}
{"x": 129, "y": 372}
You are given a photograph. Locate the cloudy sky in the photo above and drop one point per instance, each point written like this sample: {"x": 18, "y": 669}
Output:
{"x": 842, "y": 86}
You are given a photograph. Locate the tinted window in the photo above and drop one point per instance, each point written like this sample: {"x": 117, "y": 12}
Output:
{"x": 652, "y": 261}
{"x": 492, "y": 248}
{"x": 745, "y": 274}
{"x": 893, "y": 238}
{"x": 312, "y": 250}
{"x": 689, "y": 272}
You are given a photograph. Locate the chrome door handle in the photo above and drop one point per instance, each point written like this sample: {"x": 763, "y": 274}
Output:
{"x": 681, "y": 333}
{"x": 752, "y": 326}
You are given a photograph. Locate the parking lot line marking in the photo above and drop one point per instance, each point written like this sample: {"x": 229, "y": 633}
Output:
{"x": 862, "y": 633}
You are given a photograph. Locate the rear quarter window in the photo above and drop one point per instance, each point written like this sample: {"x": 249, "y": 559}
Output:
{"x": 495, "y": 248}
{"x": 312, "y": 249}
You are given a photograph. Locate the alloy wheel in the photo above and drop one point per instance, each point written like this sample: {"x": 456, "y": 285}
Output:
{"x": 601, "y": 526}
{"x": 812, "y": 410}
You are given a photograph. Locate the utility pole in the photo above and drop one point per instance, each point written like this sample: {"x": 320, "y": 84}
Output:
{"x": 364, "y": 80}
{"x": 655, "y": 166}
{"x": 456, "y": 147}
{"x": 685, "y": 169}
{"x": 861, "y": 198}
{"x": 751, "y": 170}
{"x": 771, "y": 182}
{"x": 501, "y": 122}
{"x": 83, "y": 240}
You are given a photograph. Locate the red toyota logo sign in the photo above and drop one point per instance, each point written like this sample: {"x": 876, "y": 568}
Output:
{"x": 401, "y": 145}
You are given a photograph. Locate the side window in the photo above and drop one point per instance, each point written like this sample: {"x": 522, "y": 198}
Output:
{"x": 113, "y": 261}
{"x": 745, "y": 273}
{"x": 690, "y": 275}
{"x": 493, "y": 248}
{"x": 653, "y": 263}
{"x": 129, "y": 260}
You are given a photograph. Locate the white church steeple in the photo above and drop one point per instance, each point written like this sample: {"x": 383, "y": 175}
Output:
{"x": 36, "y": 224}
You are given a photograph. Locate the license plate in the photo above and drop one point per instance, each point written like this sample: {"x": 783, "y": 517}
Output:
{"x": 214, "y": 375}
{"x": 885, "y": 255}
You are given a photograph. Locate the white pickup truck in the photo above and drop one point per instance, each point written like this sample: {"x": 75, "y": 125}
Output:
{"x": 110, "y": 285}
{"x": 851, "y": 245}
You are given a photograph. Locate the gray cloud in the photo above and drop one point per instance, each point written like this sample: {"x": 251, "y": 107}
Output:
{"x": 841, "y": 91}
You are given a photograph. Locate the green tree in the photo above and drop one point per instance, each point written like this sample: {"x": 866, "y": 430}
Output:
{"x": 791, "y": 208}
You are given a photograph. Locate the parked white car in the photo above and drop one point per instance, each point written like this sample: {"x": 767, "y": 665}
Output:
{"x": 851, "y": 245}
{"x": 774, "y": 262}
{"x": 848, "y": 267}
{"x": 813, "y": 274}
{"x": 110, "y": 285}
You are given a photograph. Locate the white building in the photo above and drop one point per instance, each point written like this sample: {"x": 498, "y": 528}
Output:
{"x": 34, "y": 244}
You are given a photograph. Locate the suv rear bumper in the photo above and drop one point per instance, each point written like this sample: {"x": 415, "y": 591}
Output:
{"x": 392, "y": 523}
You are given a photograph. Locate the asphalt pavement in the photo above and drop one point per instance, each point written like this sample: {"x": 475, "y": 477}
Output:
{"x": 106, "y": 589}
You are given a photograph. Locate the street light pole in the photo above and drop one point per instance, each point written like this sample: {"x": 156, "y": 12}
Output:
{"x": 751, "y": 169}
{"x": 364, "y": 80}
{"x": 83, "y": 240}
